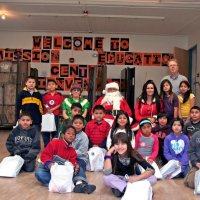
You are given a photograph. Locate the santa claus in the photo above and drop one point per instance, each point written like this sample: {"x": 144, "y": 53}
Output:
{"x": 113, "y": 102}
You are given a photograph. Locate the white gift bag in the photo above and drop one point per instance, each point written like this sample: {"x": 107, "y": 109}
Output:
{"x": 10, "y": 166}
{"x": 96, "y": 159}
{"x": 140, "y": 190}
{"x": 197, "y": 182}
{"x": 171, "y": 169}
{"x": 157, "y": 173}
{"x": 61, "y": 178}
{"x": 48, "y": 123}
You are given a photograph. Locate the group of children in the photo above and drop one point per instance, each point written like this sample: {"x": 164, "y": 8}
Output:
{"x": 168, "y": 139}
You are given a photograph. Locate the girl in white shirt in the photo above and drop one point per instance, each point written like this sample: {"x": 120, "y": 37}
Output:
{"x": 121, "y": 124}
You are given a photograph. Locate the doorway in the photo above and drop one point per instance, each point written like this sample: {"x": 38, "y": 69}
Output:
{"x": 194, "y": 75}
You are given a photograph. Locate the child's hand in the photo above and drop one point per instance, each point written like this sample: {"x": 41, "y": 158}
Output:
{"x": 132, "y": 179}
{"x": 111, "y": 151}
{"x": 76, "y": 169}
{"x": 152, "y": 119}
{"x": 50, "y": 111}
{"x": 50, "y": 165}
{"x": 149, "y": 160}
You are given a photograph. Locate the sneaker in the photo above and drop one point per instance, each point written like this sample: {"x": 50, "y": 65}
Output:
{"x": 84, "y": 188}
{"x": 116, "y": 192}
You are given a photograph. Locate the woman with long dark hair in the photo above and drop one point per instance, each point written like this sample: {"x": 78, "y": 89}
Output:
{"x": 170, "y": 100}
{"x": 148, "y": 104}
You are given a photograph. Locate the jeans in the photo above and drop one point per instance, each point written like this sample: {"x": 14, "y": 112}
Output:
{"x": 47, "y": 136}
{"x": 43, "y": 174}
{"x": 82, "y": 163}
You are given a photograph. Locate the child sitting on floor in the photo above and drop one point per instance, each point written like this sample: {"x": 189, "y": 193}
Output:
{"x": 146, "y": 143}
{"x": 24, "y": 141}
{"x": 176, "y": 146}
{"x": 60, "y": 150}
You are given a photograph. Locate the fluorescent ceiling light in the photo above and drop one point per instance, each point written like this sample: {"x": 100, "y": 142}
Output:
{"x": 94, "y": 15}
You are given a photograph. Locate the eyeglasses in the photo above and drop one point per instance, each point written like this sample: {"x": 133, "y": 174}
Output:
{"x": 174, "y": 65}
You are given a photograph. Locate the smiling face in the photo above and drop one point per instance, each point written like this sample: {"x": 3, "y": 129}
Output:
{"x": 183, "y": 88}
{"x": 122, "y": 121}
{"x": 150, "y": 89}
{"x": 121, "y": 148}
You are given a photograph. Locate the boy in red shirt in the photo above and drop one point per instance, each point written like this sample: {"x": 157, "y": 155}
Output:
{"x": 59, "y": 151}
{"x": 52, "y": 101}
{"x": 97, "y": 129}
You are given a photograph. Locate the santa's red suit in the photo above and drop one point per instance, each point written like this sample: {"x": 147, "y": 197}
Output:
{"x": 109, "y": 117}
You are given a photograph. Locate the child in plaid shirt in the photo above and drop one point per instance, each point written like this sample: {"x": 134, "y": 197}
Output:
{"x": 97, "y": 129}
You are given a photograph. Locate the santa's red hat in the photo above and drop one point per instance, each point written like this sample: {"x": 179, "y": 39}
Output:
{"x": 111, "y": 85}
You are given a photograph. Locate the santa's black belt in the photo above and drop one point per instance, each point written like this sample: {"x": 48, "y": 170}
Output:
{"x": 112, "y": 112}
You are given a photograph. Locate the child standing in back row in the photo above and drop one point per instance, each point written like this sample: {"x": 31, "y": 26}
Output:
{"x": 186, "y": 100}
{"x": 170, "y": 100}
{"x": 76, "y": 91}
{"x": 52, "y": 101}
{"x": 30, "y": 100}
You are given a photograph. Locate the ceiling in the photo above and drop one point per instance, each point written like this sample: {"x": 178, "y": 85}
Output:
{"x": 157, "y": 17}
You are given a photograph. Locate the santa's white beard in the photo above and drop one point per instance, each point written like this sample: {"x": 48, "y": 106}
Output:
{"x": 113, "y": 98}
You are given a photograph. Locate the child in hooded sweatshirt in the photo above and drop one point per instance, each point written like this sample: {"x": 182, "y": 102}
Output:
{"x": 161, "y": 130}
{"x": 176, "y": 146}
{"x": 24, "y": 141}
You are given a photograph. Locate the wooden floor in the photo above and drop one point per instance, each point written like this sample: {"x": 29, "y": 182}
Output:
{"x": 25, "y": 186}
